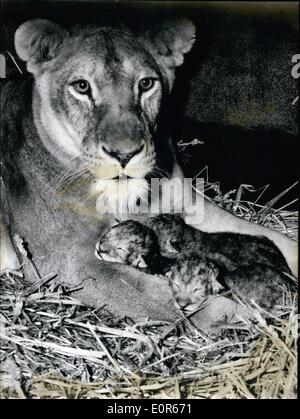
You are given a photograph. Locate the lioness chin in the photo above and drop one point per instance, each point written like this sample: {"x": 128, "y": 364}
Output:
{"x": 93, "y": 120}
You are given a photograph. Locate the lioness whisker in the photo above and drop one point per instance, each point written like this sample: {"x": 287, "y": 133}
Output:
{"x": 77, "y": 171}
{"x": 157, "y": 171}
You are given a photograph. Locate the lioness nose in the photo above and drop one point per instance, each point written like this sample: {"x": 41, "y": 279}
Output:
{"x": 123, "y": 158}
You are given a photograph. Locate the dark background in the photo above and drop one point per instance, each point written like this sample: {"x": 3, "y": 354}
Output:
{"x": 234, "y": 93}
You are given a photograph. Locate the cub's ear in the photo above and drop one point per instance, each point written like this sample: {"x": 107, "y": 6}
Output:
{"x": 37, "y": 41}
{"x": 216, "y": 286}
{"x": 139, "y": 262}
{"x": 172, "y": 39}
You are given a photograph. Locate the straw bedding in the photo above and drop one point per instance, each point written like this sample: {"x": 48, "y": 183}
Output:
{"x": 52, "y": 347}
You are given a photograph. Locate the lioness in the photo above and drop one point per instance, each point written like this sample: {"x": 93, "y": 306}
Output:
{"x": 94, "y": 117}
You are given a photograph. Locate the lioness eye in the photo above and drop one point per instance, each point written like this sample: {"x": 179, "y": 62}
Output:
{"x": 81, "y": 86}
{"x": 146, "y": 84}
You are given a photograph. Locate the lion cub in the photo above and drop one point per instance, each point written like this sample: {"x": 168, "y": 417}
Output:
{"x": 131, "y": 243}
{"x": 194, "y": 278}
{"x": 174, "y": 236}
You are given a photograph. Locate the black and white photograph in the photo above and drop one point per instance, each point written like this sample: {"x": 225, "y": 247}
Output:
{"x": 149, "y": 202}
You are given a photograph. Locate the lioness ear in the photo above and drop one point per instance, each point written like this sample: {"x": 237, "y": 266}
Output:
{"x": 173, "y": 39}
{"x": 114, "y": 222}
{"x": 214, "y": 274}
{"x": 169, "y": 42}
{"x": 37, "y": 41}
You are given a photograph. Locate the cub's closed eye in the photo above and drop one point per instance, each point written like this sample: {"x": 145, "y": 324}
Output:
{"x": 146, "y": 84}
{"x": 82, "y": 87}
{"x": 121, "y": 249}
{"x": 176, "y": 245}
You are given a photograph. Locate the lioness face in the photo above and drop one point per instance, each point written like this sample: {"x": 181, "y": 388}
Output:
{"x": 98, "y": 95}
